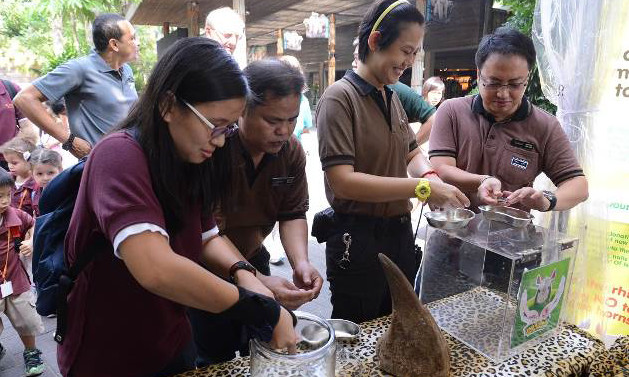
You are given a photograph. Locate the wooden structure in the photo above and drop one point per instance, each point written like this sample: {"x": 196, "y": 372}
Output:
{"x": 449, "y": 45}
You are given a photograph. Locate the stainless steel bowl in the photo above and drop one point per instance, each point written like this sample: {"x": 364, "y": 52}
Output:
{"x": 509, "y": 215}
{"x": 314, "y": 334}
{"x": 450, "y": 219}
{"x": 344, "y": 329}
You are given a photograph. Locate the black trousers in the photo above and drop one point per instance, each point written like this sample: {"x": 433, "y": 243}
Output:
{"x": 218, "y": 337}
{"x": 359, "y": 288}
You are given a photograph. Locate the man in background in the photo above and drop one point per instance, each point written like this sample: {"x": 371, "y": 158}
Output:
{"x": 99, "y": 88}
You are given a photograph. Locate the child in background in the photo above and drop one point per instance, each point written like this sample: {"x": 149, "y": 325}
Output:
{"x": 16, "y": 296}
{"x": 45, "y": 164}
{"x": 17, "y": 152}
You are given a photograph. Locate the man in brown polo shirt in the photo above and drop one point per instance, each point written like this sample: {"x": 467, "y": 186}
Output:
{"x": 269, "y": 185}
{"x": 494, "y": 144}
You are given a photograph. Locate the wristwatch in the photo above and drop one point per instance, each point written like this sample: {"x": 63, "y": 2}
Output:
{"x": 422, "y": 190}
{"x": 67, "y": 145}
{"x": 240, "y": 265}
{"x": 551, "y": 198}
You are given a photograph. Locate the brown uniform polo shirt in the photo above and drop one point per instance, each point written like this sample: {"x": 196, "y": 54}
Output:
{"x": 355, "y": 127}
{"x": 276, "y": 190}
{"x": 514, "y": 151}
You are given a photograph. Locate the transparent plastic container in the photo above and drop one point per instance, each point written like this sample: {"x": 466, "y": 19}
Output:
{"x": 471, "y": 281}
{"x": 311, "y": 360}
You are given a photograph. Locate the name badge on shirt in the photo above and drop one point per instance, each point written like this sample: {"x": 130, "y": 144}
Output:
{"x": 6, "y": 289}
{"x": 282, "y": 181}
{"x": 522, "y": 144}
{"x": 519, "y": 163}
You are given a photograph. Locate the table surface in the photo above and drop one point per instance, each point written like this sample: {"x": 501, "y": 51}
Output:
{"x": 569, "y": 353}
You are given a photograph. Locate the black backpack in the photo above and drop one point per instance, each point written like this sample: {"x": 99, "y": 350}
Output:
{"x": 53, "y": 279}
{"x": 10, "y": 88}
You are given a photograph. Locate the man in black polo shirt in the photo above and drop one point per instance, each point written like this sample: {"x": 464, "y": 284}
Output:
{"x": 269, "y": 185}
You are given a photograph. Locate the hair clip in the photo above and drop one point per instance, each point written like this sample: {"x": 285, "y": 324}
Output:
{"x": 26, "y": 155}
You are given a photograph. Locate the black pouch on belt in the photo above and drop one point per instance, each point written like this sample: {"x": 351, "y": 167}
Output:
{"x": 323, "y": 225}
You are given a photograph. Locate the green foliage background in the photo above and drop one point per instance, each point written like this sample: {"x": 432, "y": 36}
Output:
{"x": 26, "y": 35}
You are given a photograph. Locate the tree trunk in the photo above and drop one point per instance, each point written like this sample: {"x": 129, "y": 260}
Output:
{"x": 75, "y": 34}
{"x": 88, "y": 33}
{"x": 57, "y": 35}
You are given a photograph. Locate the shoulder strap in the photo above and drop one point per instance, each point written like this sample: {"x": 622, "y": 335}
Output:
{"x": 66, "y": 283}
{"x": 10, "y": 88}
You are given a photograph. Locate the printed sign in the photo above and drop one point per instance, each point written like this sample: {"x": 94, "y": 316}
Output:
{"x": 539, "y": 301}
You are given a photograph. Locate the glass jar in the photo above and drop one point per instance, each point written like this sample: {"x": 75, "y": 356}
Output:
{"x": 311, "y": 360}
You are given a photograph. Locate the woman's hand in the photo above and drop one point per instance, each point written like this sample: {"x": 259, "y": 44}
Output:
{"x": 489, "y": 191}
{"x": 443, "y": 195}
{"x": 284, "y": 335}
{"x": 249, "y": 281}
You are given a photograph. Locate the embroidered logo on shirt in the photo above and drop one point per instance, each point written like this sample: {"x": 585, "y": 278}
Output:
{"x": 519, "y": 163}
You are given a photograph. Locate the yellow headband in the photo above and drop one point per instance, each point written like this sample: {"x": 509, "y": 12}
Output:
{"x": 386, "y": 11}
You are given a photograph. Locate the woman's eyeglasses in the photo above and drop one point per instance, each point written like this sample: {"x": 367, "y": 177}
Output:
{"x": 228, "y": 130}
{"x": 512, "y": 87}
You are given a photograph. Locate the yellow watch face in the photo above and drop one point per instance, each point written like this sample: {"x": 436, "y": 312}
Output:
{"x": 422, "y": 191}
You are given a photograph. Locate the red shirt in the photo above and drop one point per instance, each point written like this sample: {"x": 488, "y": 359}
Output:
{"x": 22, "y": 198}
{"x": 9, "y": 115}
{"x": 115, "y": 326}
{"x": 15, "y": 224}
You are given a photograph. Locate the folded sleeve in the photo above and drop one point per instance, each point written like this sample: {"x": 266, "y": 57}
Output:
{"x": 559, "y": 162}
{"x": 335, "y": 129}
{"x": 62, "y": 80}
{"x": 121, "y": 197}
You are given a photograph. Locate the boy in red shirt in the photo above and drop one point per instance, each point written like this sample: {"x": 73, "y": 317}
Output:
{"x": 15, "y": 226}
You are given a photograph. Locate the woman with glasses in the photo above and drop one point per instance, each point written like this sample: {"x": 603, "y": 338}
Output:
{"x": 145, "y": 204}
{"x": 493, "y": 145}
{"x": 368, "y": 151}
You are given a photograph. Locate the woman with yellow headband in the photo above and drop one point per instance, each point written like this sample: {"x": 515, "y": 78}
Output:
{"x": 368, "y": 151}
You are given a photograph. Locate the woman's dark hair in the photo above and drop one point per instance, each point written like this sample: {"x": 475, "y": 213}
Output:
{"x": 272, "y": 78}
{"x": 390, "y": 26}
{"x": 44, "y": 156}
{"x": 104, "y": 28}
{"x": 6, "y": 179}
{"x": 505, "y": 41}
{"x": 197, "y": 70}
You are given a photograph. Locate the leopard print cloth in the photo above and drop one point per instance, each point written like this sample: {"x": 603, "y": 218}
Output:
{"x": 571, "y": 352}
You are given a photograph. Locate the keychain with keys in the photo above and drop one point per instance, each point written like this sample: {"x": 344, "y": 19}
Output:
{"x": 347, "y": 240}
